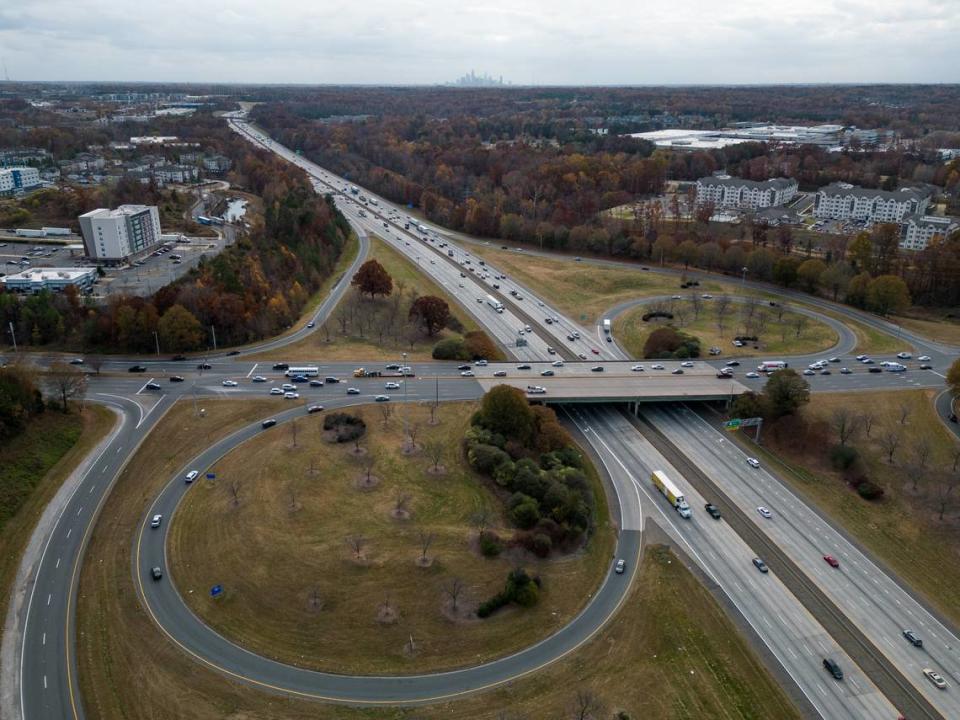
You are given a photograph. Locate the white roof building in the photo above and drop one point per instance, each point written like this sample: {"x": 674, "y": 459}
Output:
{"x": 53, "y": 279}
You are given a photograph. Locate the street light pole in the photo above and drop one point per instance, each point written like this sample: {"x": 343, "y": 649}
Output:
{"x": 213, "y": 331}
{"x": 13, "y": 336}
{"x": 156, "y": 339}
{"x": 743, "y": 279}
{"x": 405, "y": 378}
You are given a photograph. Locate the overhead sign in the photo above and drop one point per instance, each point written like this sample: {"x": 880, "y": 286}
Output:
{"x": 733, "y": 424}
{"x": 751, "y": 422}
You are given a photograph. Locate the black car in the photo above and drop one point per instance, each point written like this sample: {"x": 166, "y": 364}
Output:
{"x": 464, "y": 367}
{"x": 874, "y": 369}
{"x": 281, "y": 366}
{"x": 331, "y": 380}
{"x": 233, "y": 352}
{"x": 926, "y": 366}
{"x": 315, "y": 409}
{"x": 204, "y": 366}
{"x": 268, "y": 423}
{"x": 137, "y": 368}
{"x": 678, "y": 371}
{"x": 524, "y": 366}
{"x": 733, "y": 363}
{"x": 712, "y": 511}
{"x": 316, "y": 383}
{"x": 176, "y": 378}
{"x": 831, "y": 665}
{"x": 152, "y": 386}
{"x": 825, "y": 372}
{"x": 597, "y": 368}
{"x": 912, "y": 638}
{"x": 178, "y": 358}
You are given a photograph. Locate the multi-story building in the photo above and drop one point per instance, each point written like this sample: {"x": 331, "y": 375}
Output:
{"x": 18, "y": 179}
{"x": 53, "y": 279}
{"x": 841, "y": 201}
{"x": 174, "y": 174}
{"x": 726, "y": 191}
{"x": 916, "y": 231}
{"x": 114, "y": 235}
{"x": 216, "y": 163}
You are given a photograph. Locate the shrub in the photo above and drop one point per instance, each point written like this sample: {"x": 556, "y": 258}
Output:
{"x": 667, "y": 342}
{"x": 843, "y": 457}
{"x": 490, "y": 545}
{"x": 479, "y": 345}
{"x": 542, "y": 545}
{"x": 657, "y": 314}
{"x": 488, "y": 607}
{"x": 526, "y": 514}
{"x": 868, "y": 490}
{"x": 486, "y": 458}
{"x": 450, "y": 349}
{"x": 346, "y": 427}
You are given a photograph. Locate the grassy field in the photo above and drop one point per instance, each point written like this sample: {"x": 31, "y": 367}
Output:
{"x": 903, "y": 529}
{"x": 779, "y": 337}
{"x": 369, "y": 346}
{"x": 287, "y": 539}
{"x": 33, "y": 466}
{"x": 940, "y": 329}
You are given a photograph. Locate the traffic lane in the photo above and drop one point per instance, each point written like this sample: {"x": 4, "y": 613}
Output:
{"x": 869, "y": 597}
{"x": 797, "y": 640}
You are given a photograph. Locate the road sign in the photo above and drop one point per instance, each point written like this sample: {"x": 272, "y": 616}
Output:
{"x": 751, "y": 422}
{"x": 216, "y": 591}
{"x": 733, "y": 424}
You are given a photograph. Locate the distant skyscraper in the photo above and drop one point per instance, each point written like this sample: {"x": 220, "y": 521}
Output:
{"x": 471, "y": 79}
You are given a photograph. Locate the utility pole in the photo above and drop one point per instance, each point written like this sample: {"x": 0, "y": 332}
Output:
{"x": 213, "y": 331}
{"x": 743, "y": 278}
{"x": 405, "y": 379}
{"x": 13, "y": 336}
{"x": 156, "y": 339}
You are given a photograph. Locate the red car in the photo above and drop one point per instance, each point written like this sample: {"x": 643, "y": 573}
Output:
{"x": 831, "y": 561}
{"x": 594, "y": 351}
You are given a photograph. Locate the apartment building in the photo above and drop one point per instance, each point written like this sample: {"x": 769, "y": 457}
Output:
{"x": 18, "y": 179}
{"x": 916, "y": 231}
{"x": 842, "y": 201}
{"x": 114, "y": 235}
{"x": 731, "y": 192}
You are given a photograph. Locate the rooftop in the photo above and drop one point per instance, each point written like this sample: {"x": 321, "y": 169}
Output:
{"x": 50, "y": 274}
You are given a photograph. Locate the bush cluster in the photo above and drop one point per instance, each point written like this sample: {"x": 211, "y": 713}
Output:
{"x": 346, "y": 427}
{"x": 747, "y": 338}
{"x": 521, "y": 589}
{"x": 475, "y": 345}
{"x": 866, "y": 488}
{"x": 657, "y": 314}
{"x": 843, "y": 457}
{"x": 668, "y": 342}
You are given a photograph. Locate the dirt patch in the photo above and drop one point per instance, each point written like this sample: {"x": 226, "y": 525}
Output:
{"x": 411, "y": 449}
{"x": 366, "y": 482}
{"x": 465, "y": 612}
{"x": 437, "y": 470}
{"x": 424, "y": 562}
{"x": 388, "y": 614}
{"x": 400, "y": 514}
{"x": 357, "y": 452}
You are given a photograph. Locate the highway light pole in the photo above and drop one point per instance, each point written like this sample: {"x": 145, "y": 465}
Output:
{"x": 743, "y": 278}
{"x": 403, "y": 370}
{"x": 156, "y": 340}
{"x": 13, "y": 336}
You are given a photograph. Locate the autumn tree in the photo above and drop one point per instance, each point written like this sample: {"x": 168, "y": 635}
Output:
{"x": 505, "y": 410}
{"x": 373, "y": 279}
{"x": 887, "y": 294}
{"x": 785, "y": 392}
{"x": 180, "y": 330}
{"x": 432, "y": 312}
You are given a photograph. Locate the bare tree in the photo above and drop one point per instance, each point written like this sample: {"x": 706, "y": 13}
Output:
{"x": 904, "y": 413}
{"x": 890, "y": 441}
{"x": 453, "y": 589}
{"x": 722, "y": 309}
{"x": 235, "y": 491}
{"x": 944, "y": 485}
{"x": 401, "y": 499}
{"x": 956, "y": 459}
{"x": 696, "y": 304}
{"x": 866, "y": 421}
{"x": 585, "y": 706}
{"x": 845, "y": 423}
{"x": 481, "y": 518}
{"x": 435, "y": 450}
{"x": 357, "y": 543}
{"x": 386, "y": 412}
{"x": 781, "y": 309}
{"x": 292, "y": 491}
{"x": 66, "y": 381}
{"x": 921, "y": 454}
{"x": 313, "y": 470}
{"x": 681, "y": 312}
{"x": 413, "y": 429}
{"x": 799, "y": 324}
{"x": 761, "y": 322}
{"x": 369, "y": 462}
{"x": 426, "y": 540}
{"x": 434, "y": 408}
{"x": 325, "y": 329}
{"x": 343, "y": 317}
{"x": 294, "y": 426}
{"x": 314, "y": 599}
{"x": 95, "y": 363}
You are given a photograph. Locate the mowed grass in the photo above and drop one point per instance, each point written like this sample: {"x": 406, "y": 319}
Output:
{"x": 778, "y": 338}
{"x": 281, "y": 551}
{"x": 903, "y": 529}
{"x": 370, "y": 346}
{"x": 944, "y": 329}
{"x": 33, "y": 466}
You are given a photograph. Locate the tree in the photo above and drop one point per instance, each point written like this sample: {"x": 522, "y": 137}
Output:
{"x": 505, "y": 410}
{"x": 944, "y": 484}
{"x": 180, "y": 330}
{"x": 890, "y": 441}
{"x": 857, "y": 289}
{"x": 373, "y": 279}
{"x": 785, "y": 392}
{"x": 386, "y": 412}
{"x": 433, "y": 313}
{"x": 722, "y": 309}
{"x": 953, "y": 377}
{"x": 585, "y": 706}
{"x": 887, "y": 294}
{"x": 435, "y": 449}
{"x": 845, "y": 423}
{"x": 357, "y": 543}
{"x": 861, "y": 252}
{"x": 835, "y": 279}
{"x": 810, "y": 272}
{"x": 866, "y": 420}
{"x": 426, "y": 540}
{"x": 904, "y": 413}
{"x": 785, "y": 271}
{"x": 453, "y": 589}
{"x": 66, "y": 381}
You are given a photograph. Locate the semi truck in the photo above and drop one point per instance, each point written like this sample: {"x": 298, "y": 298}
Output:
{"x": 354, "y": 189}
{"x": 606, "y": 325}
{"x": 494, "y": 303}
{"x": 671, "y": 492}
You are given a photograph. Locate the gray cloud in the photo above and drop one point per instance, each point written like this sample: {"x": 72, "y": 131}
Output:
{"x": 428, "y": 41}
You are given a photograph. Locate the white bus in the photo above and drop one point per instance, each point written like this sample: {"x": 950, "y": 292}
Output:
{"x": 771, "y": 365}
{"x": 304, "y": 370}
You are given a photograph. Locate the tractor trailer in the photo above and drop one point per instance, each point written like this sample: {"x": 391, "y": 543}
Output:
{"x": 671, "y": 492}
{"x": 606, "y": 325}
{"x": 494, "y": 303}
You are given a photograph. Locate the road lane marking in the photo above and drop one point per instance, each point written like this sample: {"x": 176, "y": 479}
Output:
{"x": 49, "y": 598}
{"x": 43, "y": 641}
{"x": 58, "y": 563}
{"x": 255, "y": 365}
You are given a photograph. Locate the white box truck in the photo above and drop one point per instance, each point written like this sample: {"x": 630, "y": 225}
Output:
{"x": 606, "y": 325}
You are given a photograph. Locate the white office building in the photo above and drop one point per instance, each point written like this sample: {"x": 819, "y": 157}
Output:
{"x": 114, "y": 235}
{"x": 916, "y": 231}
{"x": 842, "y": 201}
{"x": 731, "y": 192}
{"x": 18, "y": 179}
{"x": 55, "y": 280}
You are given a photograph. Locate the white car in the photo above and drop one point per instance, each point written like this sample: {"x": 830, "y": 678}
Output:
{"x": 276, "y": 391}
{"x": 466, "y": 373}
{"x": 764, "y": 512}
{"x": 353, "y": 391}
{"x": 753, "y": 462}
{"x": 737, "y": 343}
{"x": 808, "y": 371}
{"x": 861, "y": 357}
{"x": 557, "y": 363}
{"x": 656, "y": 366}
{"x": 291, "y": 395}
{"x": 191, "y": 476}
{"x": 753, "y": 375}
{"x": 904, "y": 355}
{"x": 258, "y": 379}
{"x": 391, "y": 386}
{"x": 155, "y": 522}
{"x": 480, "y": 363}
{"x": 637, "y": 368}
{"x": 707, "y": 296}
{"x": 382, "y": 398}
{"x": 230, "y": 383}
{"x": 288, "y": 387}
{"x": 924, "y": 358}
{"x": 686, "y": 364}
{"x": 536, "y": 390}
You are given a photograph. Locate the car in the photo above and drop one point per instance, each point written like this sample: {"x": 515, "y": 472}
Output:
{"x": 156, "y": 573}
{"x": 232, "y": 353}
{"x": 190, "y": 476}
{"x": 834, "y": 360}
{"x": 289, "y": 387}
{"x": 912, "y": 638}
{"x": 557, "y": 363}
{"x": 394, "y": 366}
{"x": 276, "y": 391}
{"x": 258, "y": 379}
{"x": 311, "y": 324}
{"x": 551, "y": 351}
{"x": 523, "y": 366}
{"x": 712, "y": 511}
{"x": 707, "y": 296}
{"x": 808, "y": 371}
{"x": 676, "y": 297}
{"x": 656, "y": 366}
{"x": 291, "y": 396}
{"x": 548, "y": 321}
{"x": 581, "y": 356}
{"x": 924, "y": 358}
{"x": 861, "y": 357}
{"x": 926, "y": 366}
{"x": 619, "y": 567}
{"x": 353, "y": 391}
{"x": 760, "y": 565}
{"x": 570, "y": 337}
{"x": 935, "y": 677}
{"x": 594, "y": 351}
{"x": 382, "y": 398}
{"x": 725, "y": 374}
{"x": 536, "y": 390}
{"x": 155, "y": 522}
{"x": 753, "y": 462}
{"x": 874, "y": 369}
{"x": 480, "y": 363}
{"x": 230, "y": 383}
{"x": 845, "y": 371}
{"x": 686, "y": 364}
{"x": 459, "y": 367}
{"x": 904, "y": 355}
{"x": 816, "y": 365}
{"x": 577, "y": 258}
{"x": 732, "y": 363}
{"x": 77, "y": 361}
{"x": 547, "y": 373}
{"x": 137, "y": 368}
{"x": 753, "y": 375}
{"x": 314, "y": 409}
{"x": 715, "y": 350}
{"x": 281, "y": 366}
{"x": 204, "y": 366}
{"x": 500, "y": 373}
{"x": 391, "y": 386}
{"x": 331, "y": 380}
{"x": 176, "y": 378}
{"x": 268, "y": 423}
{"x": 832, "y": 668}
{"x": 867, "y": 361}
{"x": 831, "y": 561}
{"x": 152, "y": 386}
{"x": 637, "y": 368}
{"x": 678, "y": 371}
{"x": 764, "y": 512}
{"x": 737, "y": 343}
{"x": 825, "y": 371}
{"x": 467, "y": 373}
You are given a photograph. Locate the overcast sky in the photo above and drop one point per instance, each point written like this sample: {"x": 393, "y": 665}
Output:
{"x": 525, "y": 41}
